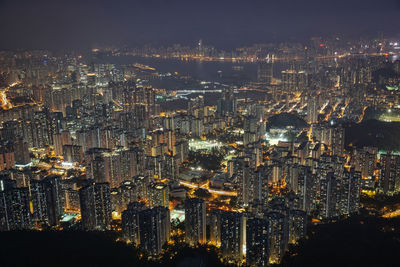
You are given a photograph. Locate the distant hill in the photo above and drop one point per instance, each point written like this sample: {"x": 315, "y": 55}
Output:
{"x": 284, "y": 120}
{"x": 358, "y": 241}
{"x": 384, "y": 135}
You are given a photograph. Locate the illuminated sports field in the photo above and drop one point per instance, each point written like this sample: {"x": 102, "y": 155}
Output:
{"x": 390, "y": 117}
{"x": 196, "y": 144}
{"x": 275, "y": 136}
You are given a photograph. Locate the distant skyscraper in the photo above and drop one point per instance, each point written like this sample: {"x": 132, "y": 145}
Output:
{"x": 227, "y": 103}
{"x": 200, "y": 48}
{"x": 265, "y": 73}
{"x": 195, "y": 221}
{"x": 312, "y": 109}
{"x": 294, "y": 81}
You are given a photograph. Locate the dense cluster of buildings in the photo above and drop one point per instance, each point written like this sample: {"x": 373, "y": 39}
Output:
{"x": 86, "y": 144}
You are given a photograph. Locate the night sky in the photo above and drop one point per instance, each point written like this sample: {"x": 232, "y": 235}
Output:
{"x": 224, "y": 23}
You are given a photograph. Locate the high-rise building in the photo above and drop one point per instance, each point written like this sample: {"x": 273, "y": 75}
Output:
{"x": 195, "y": 221}
{"x": 196, "y": 107}
{"x": 312, "y": 110}
{"x": 196, "y": 127}
{"x": 364, "y": 160}
{"x": 215, "y": 227}
{"x": 349, "y": 192}
{"x": 294, "y": 81}
{"x": 113, "y": 165}
{"x": 96, "y": 209}
{"x": 297, "y": 225}
{"x": 39, "y": 202}
{"x": 72, "y": 153}
{"x": 61, "y": 139}
{"x": 130, "y": 222}
{"x": 227, "y": 103}
{"x": 260, "y": 187}
{"x": 257, "y": 242}
{"x": 279, "y": 236}
{"x": 265, "y": 73}
{"x": 128, "y": 193}
{"x": 7, "y": 156}
{"x": 14, "y": 207}
{"x": 21, "y": 152}
{"x": 337, "y": 144}
{"x": 390, "y": 173}
{"x": 158, "y": 195}
{"x": 142, "y": 184}
{"x": 55, "y": 198}
{"x": 72, "y": 203}
{"x": 233, "y": 235}
{"x": 154, "y": 229}
{"x": 328, "y": 195}
{"x": 305, "y": 189}
{"x": 243, "y": 176}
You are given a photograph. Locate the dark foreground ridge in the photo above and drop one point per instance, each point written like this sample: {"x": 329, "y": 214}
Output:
{"x": 359, "y": 241}
{"x": 380, "y": 134}
{"x": 64, "y": 248}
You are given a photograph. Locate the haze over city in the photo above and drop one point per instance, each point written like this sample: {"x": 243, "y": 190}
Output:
{"x": 224, "y": 23}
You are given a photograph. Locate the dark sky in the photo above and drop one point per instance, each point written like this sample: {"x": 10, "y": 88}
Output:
{"x": 225, "y": 23}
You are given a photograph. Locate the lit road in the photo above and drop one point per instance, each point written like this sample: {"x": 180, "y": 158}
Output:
{"x": 293, "y": 107}
{"x": 329, "y": 115}
{"x": 4, "y": 103}
{"x": 362, "y": 115}
{"x": 188, "y": 92}
{"x": 143, "y": 67}
{"x": 3, "y": 100}
{"x": 323, "y": 107}
{"x": 392, "y": 214}
{"x": 205, "y": 186}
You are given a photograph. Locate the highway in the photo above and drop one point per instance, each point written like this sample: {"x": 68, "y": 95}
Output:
{"x": 392, "y": 214}
{"x": 4, "y": 103}
{"x": 205, "y": 186}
